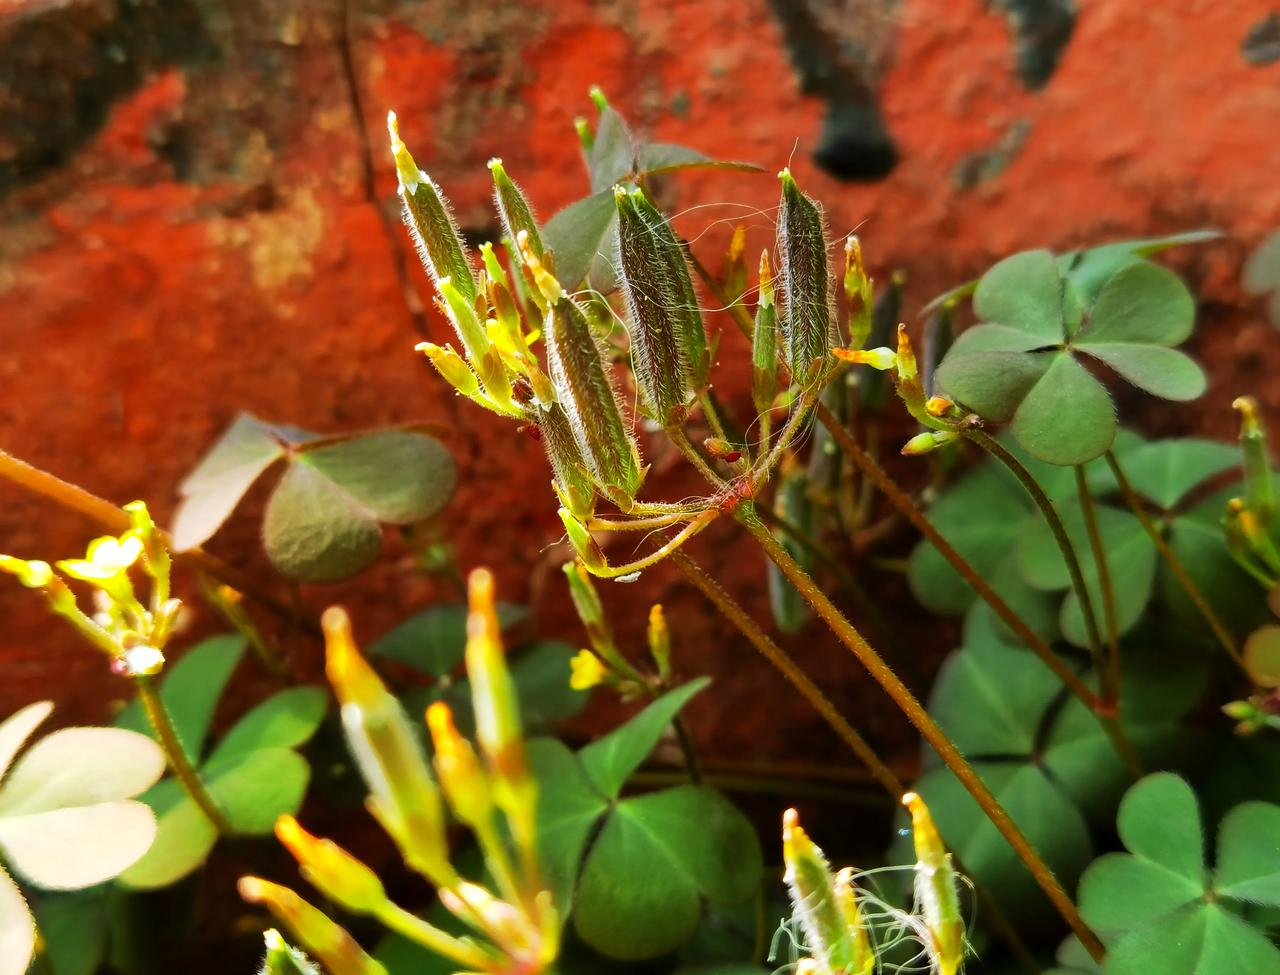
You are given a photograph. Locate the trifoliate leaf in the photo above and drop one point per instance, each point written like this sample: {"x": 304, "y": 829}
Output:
{"x": 399, "y": 476}
{"x": 284, "y": 720}
{"x": 314, "y": 531}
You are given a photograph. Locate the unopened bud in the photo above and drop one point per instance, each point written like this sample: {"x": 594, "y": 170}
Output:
{"x": 452, "y": 367}
{"x": 458, "y": 768}
{"x": 32, "y": 574}
{"x": 332, "y": 870}
{"x": 735, "y": 265}
{"x": 880, "y": 358}
{"x": 764, "y": 342}
{"x": 812, "y": 888}
{"x": 513, "y": 209}
{"x": 660, "y": 640}
{"x": 808, "y": 322}
{"x": 864, "y": 957}
{"x": 335, "y": 949}
{"x": 929, "y": 440}
{"x": 587, "y": 548}
{"x": 936, "y": 890}
{"x": 938, "y": 406}
{"x": 586, "y": 670}
{"x": 1259, "y": 492}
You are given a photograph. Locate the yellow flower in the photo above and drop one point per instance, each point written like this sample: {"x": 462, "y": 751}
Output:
{"x": 106, "y": 561}
{"x": 586, "y": 671}
{"x": 33, "y": 575}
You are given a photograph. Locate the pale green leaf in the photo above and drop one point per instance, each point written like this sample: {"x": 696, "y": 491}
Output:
{"x": 183, "y": 839}
{"x": 17, "y": 929}
{"x": 1198, "y": 940}
{"x": 1067, "y": 417}
{"x": 17, "y": 728}
{"x": 610, "y": 760}
{"x": 579, "y": 234}
{"x": 568, "y": 808}
{"x": 213, "y": 489}
{"x": 1023, "y": 291}
{"x": 612, "y": 156}
{"x": 1166, "y": 373}
{"x": 73, "y": 847}
{"x": 314, "y": 531}
{"x": 1165, "y": 471}
{"x": 1119, "y": 891}
{"x": 991, "y": 384}
{"x": 398, "y": 476}
{"x": 1143, "y": 304}
{"x": 81, "y": 767}
{"x": 254, "y": 790}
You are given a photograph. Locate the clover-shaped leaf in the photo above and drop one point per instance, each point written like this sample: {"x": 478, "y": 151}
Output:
{"x": 1044, "y": 754}
{"x": 1262, "y": 274}
{"x": 1160, "y": 910}
{"x": 1022, "y": 363}
{"x": 253, "y": 774}
{"x": 322, "y": 520}
{"x": 67, "y": 816}
{"x": 637, "y": 875}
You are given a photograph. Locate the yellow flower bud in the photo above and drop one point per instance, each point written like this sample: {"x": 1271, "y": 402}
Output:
{"x": 458, "y": 768}
{"x": 34, "y": 574}
{"x": 660, "y": 640}
{"x": 327, "y": 941}
{"x": 586, "y": 670}
{"x": 332, "y": 870}
{"x": 880, "y": 358}
{"x": 936, "y": 890}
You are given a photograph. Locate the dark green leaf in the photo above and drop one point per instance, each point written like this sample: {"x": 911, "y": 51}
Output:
{"x": 314, "y": 531}
{"x": 73, "y": 925}
{"x": 190, "y": 689}
{"x": 579, "y": 234}
{"x": 568, "y": 808}
{"x": 612, "y": 156}
{"x": 399, "y": 476}
{"x": 1023, "y": 292}
{"x": 1159, "y": 821}
{"x": 610, "y": 760}
{"x": 1165, "y": 471}
{"x": 541, "y": 673}
{"x": 1249, "y": 854}
{"x": 255, "y": 789}
{"x": 654, "y": 158}
{"x": 641, "y": 889}
{"x": 184, "y": 837}
{"x": 1200, "y": 939}
{"x": 435, "y": 639}
{"x": 1066, "y": 417}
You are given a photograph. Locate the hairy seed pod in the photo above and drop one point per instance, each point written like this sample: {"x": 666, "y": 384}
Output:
{"x": 813, "y": 899}
{"x": 589, "y": 399}
{"x": 668, "y": 343}
{"x": 570, "y": 471}
{"x": 513, "y": 208}
{"x": 936, "y": 890}
{"x": 864, "y": 956}
{"x": 764, "y": 342}
{"x": 808, "y": 320}
{"x": 427, "y": 215}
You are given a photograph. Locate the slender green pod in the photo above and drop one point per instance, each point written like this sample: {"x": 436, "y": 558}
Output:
{"x": 570, "y": 472}
{"x": 430, "y": 222}
{"x": 808, "y": 322}
{"x": 936, "y": 890}
{"x": 668, "y": 342}
{"x": 812, "y": 887}
{"x": 764, "y": 342}
{"x": 513, "y": 208}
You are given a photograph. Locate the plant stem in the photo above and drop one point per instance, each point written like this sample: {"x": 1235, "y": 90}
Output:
{"x": 752, "y": 630}
{"x": 927, "y": 727}
{"x": 890, "y": 782}
{"x": 181, "y": 765}
{"x": 681, "y": 440}
{"x": 997, "y": 450}
{"x": 115, "y": 520}
{"x": 902, "y": 501}
{"x": 1104, "y": 580}
{"x": 1175, "y": 564}
{"x": 429, "y": 936}
{"x": 687, "y": 749}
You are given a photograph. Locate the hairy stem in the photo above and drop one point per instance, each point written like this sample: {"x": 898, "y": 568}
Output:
{"x": 183, "y": 770}
{"x": 997, "y": 450}
{"x": 927, "y": 727}
{"x": 1104, "y": 577}
{"x": 1175, "y": 564}
{"x": 115, "y": 520}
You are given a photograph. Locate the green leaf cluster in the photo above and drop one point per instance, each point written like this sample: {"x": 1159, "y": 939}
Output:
{"x": 993, "y": 523}
{"x": 1042, "y": 317}
{"x": 322, "y": 521}
{"x": 1161, "y": 909}
{"x": 253, "y": 773}
{"x": 638, "y": 870}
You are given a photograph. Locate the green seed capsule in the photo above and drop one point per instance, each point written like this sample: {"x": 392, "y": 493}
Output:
{"x": 570, "y": 472}
{"x": 764, "y": 342}
{"x": 668, "y": 343}
{"x": 591, "y": 403}
{"x": 427, "y": 215}
{"x": 513, "y": 208}
{"x": 808, "y": 321}
{"x": 936, "y": 890}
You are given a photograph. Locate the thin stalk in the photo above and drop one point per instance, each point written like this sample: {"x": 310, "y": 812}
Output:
{"x": 681, "y": 440}
{"x": 640, "y": 524}
{"x": 1104, "y": 576}
{"x": 928, "y": 728}
{"x": 997, "y": 450}
{"x": 902, "y": 501}
{"x": 115, "y": 520}
{"x": 1175, "y": 564}
{"x": 429, "y": 936}
{"x": 712, "y": 415}
{"x": 688, "y": 749}
{"x": 890, "y": 782}
{"x": 752, "y": 630}
{"x": 671, "y": 546}
{"x": 183, "y": 770}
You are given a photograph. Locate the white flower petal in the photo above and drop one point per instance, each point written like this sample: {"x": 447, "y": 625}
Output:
{"x": 66, "y": 849}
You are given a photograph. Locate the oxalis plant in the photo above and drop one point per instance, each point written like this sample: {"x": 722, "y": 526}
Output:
{"x": 1048, "y": 324}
